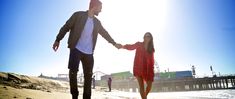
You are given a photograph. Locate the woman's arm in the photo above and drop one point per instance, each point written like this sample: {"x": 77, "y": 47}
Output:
{"x": 131, "y": 46}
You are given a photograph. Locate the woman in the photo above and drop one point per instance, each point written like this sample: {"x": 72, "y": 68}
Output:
{"x": 143, "y": 63}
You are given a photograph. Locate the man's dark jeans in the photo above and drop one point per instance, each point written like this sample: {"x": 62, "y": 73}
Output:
{"x": 87, "y": 63}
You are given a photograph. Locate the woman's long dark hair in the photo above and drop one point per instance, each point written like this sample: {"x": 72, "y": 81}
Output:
{"x": 150, "y": 48}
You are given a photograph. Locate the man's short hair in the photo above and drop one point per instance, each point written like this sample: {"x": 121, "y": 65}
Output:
{"x": 94, "y": 3}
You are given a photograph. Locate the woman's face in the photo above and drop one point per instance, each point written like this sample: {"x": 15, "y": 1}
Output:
{"x": 147, "y": 38}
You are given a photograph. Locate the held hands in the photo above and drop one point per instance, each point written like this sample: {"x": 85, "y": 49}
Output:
{"x": 56, "y": 46}
{"x": 118, "y": 46}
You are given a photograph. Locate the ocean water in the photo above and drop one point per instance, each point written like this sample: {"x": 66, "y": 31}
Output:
{"x": 208, "y": 94}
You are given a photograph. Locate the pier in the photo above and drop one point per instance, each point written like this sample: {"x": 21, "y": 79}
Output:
{"x": 191, "y": 84}
{"x": 179, "y": 84}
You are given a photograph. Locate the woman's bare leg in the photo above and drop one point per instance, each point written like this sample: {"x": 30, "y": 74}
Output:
{"x": 149, "y": 87}
{"x": 141, "y": 87}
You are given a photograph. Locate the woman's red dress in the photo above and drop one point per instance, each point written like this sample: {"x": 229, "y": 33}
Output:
{"x": 143, "y": 63}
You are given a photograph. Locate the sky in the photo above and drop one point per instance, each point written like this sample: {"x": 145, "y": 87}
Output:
{"x": 186, "y": 33}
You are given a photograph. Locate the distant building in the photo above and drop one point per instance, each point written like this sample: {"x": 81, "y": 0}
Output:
{"x": 173, "y": 75}
{"x": 122, "y": 75}
{"x": 118, "y": 76}
{"x": 127, "y": 75}
{"x": 105, "y": 77}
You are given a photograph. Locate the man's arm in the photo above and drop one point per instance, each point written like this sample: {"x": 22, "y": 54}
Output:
{"x": 64, "y": 29}
{"x": 106, "y": 35}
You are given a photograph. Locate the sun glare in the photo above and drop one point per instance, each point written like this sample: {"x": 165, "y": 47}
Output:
{"x": 141, "y": 15}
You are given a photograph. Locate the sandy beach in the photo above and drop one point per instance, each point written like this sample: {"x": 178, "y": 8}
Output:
{"x": 7, "y": 92}
{"x": 15, "y": 86}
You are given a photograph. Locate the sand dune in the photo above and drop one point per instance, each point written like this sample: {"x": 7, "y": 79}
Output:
{"x": 27, "y": 87}
{"x": 7, "y": 92}
{"x": 29, "y": 82}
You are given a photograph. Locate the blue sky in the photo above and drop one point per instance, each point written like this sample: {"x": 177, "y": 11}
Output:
{"x": 186, "y": 32}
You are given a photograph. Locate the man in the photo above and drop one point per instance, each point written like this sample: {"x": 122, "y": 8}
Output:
{"x": 109, "y": 83}
{"x": 84, "y": 28}
{"x": 93, "y": 82}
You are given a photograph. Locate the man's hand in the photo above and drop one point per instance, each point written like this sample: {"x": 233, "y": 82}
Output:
{"x": 56, "y": 46}
{"x": 118, "y": 46}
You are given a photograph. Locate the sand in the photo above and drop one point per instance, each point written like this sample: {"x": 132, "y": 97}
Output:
{"x": 15, "y": 86}
{"x": 7, "y": 92}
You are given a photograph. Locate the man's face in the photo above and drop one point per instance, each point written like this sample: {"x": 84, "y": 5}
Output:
{"x": 97, "y": 9}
